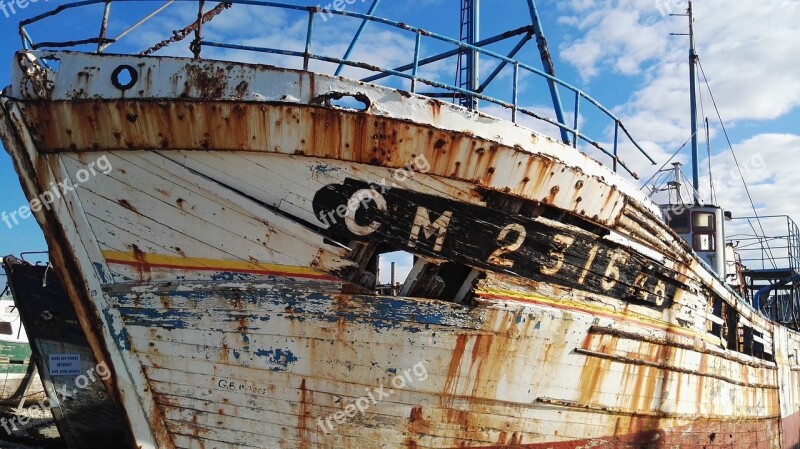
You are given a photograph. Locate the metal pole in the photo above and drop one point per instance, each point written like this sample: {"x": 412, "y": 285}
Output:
{"x": 693, "y": 111}
{"x": 515, "y": 93}
{"x": 309, "y": 31}
{"x": 475, "y": 56}
{"x": 392, "y": 280}
{"x": 547, "y": 62}
{"x": 198, "y": 32}
{"x": 104, "y": 26}
{"x": 447, "y": 54}
{"x": 503, "y": 64}
{"x": 416, "y": 63}
{"x": 357, "y": 36}
{"x": 144, "y": 19}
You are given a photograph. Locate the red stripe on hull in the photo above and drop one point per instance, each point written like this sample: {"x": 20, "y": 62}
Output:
{"x": 701, "y": 434}
{"x": 147, "y": 265}
{"x": 791, "y": 431}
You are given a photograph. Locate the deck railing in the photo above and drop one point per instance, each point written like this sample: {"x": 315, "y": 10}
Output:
{"x": 408, "y": 72}
{"x": 778, "y": 251}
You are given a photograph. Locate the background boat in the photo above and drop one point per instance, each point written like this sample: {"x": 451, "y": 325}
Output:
{"x": 19, "y": 381}
{"x": 84, "y": 413}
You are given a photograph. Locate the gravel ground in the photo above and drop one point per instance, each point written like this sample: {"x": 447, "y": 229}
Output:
{"x": 39, "y": 432}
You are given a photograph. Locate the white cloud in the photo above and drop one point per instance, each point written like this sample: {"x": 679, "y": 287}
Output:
{"x": 622, "y": 37}
{"x": 763, "y": 160}
{"x": 747, "y": 49}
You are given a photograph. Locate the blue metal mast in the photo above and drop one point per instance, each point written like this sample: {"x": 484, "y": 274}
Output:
{"x": 469, "y": 61}
{"x": 547, "y": 63}
{"x": 693, "y": 101}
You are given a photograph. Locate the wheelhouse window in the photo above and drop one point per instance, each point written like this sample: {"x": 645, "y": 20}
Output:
{"x": 703, "y": 242}
{"x": 679, "y": 222}
{"x": 703, "y": 222}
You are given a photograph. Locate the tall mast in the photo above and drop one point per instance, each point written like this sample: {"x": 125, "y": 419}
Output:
{"x": 475, "y": 37}
{"x": 693, "y": 111}
{"x": 470, "y": 34}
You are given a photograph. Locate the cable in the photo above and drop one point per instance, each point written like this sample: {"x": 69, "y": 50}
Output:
{"x": 736, "y": 160}
{"x": 712, "y": 193}
{"x": 668, "y": 161}
{"x": 710, "y": 176}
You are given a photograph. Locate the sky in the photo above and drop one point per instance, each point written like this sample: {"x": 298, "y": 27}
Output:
{"x": 621, "y": 52}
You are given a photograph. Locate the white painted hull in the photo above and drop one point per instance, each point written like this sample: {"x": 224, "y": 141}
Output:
{"x": 220, "y": 294}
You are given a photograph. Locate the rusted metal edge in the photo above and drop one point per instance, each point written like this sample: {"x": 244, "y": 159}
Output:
{"x": 664, "y": 366}
{"x": 660, "y": 415}
{"x": 663, "y": 341}
{"x": 66, "y": 263}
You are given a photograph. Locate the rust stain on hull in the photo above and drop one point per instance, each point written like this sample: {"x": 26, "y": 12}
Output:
{"x": 332, "y": 133}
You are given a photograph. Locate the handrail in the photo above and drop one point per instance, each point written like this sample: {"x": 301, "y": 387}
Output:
{"x": 401, "y": 72}
{"x": 753, "y": 249}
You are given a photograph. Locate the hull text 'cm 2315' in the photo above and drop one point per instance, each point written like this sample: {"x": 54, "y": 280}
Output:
{"x": 218, "y": 228}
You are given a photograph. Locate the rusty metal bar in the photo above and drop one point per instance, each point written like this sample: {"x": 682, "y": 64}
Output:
{"x": 656, "y": 414}
{"x": 675, "y": 344}
{"x": 616, "y": 143}
{"x": 137, "y": 24}
{"x": 196, "y": 45}
{"x": 181, "y": 34}
{"x": 664, "y": 366}
{"x": 515, "y": 93}
{"x": 93, "y": 40}
{"x": 577, "y": 109}
{"x": 417, "y": 45}
{"x": 307, "y": 53}
{"x": 27, "y": 42}
{"x": 104, "y": 25}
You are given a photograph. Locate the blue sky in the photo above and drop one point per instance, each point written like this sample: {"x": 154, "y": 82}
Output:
{"x": 619, "y": 51}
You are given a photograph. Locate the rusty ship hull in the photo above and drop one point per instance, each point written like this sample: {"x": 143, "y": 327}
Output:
{"x": 221, "y": 267}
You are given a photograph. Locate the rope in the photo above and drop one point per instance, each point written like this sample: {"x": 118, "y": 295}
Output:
{"x": 180, "y": 35}
{"x": 736, "y": 160}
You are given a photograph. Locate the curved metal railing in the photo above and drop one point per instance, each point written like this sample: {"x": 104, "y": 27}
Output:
{"x": 409, "y": 71}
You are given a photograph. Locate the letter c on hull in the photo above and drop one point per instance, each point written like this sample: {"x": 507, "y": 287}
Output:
{"x": 361, "y": 197}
